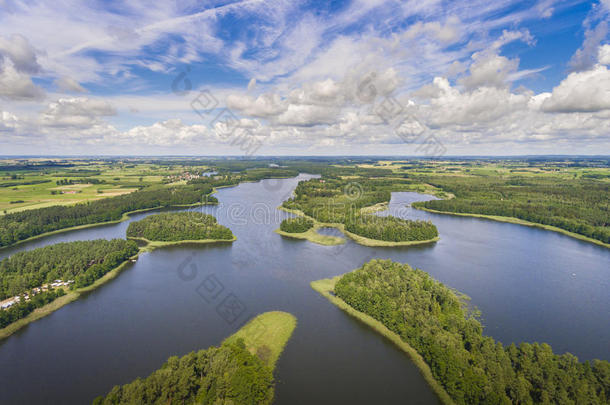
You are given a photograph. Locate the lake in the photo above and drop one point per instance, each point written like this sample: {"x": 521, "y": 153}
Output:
{"x": 530, "y": 284}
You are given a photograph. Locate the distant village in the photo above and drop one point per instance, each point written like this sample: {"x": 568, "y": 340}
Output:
{"x": 187, "y": 176}
{"x": 9, "y": 302}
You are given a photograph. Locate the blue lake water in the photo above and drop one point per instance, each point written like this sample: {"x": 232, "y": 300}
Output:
{"x": 530, "y": 285}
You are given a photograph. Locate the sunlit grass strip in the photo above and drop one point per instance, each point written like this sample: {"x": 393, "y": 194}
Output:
{"x": 270, "y": 330}
{"x": 326, "y": 287}
{"x": 518, "y": 221}
{"x": 154, "y": 244}
{"x": 61, "y": 301}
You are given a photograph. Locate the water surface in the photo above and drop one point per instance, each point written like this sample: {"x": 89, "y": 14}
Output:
{"x": 530, "y": 284}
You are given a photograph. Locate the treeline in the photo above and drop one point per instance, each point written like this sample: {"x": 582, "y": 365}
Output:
{"x": 390, "y": 228}
{"x": 23, "y": 183}
{"x": 473, "y": 369}
{"x": 82, "y": 261}
{"x": 228, "y": 374}
{"x": 296, "y": 225}
{"x": 177, "y": 226}
{"x": 577, "y": 205}
{"x": 338, "y": 200}
{"x": 24, "y": 308}
{"x": 18, "y": 226}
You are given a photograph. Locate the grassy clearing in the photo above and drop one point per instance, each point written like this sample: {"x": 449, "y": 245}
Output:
{"x": 153, "y": 244}
{"x": 267, "y": 335}
{"x": 326, "y": 287}
{"x": 312, "y": 235}
{"x": 361, "y": 240}
{"x": 518, "y": 221}
{"x": 61, "y": 301}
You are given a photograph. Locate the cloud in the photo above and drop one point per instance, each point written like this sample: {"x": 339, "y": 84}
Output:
{"x": 17, "y": 61}
{"x": 490, "y": 70}
{"x": 78, "y": 112}
{"x": 596, "y": 31}
{"x": 166, "y": 133}
{"x": 604, "y": 54}
{"x": 22, "y": 55}
{"x": 70, "y": 85}
{"x": 587, "y": 91}
{"x": 8, "y": 121}
{"x": 15, "y": 85}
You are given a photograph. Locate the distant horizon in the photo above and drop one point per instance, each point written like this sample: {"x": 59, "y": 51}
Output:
{"x": 307, "y": 156}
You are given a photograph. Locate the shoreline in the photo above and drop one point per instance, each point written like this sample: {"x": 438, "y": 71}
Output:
{"x": 361, "y": 240}
{"x": 325, "y": 288}
{"x": 71, "y": 295}
{"x": 155, "y": 244}
{"x": 126, "y": 215}
{"x": 517, "y": 221}
{"x": 123, "y": 218}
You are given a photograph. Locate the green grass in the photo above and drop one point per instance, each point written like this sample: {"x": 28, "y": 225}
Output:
{"x": 118, "y": 179}
{"x": 267, "y": 335}
{"x": 326, "y": 287}
{"x": 155, "y": 244}
{"x": 312, "y": 235}
{"x": 61, "y": 301}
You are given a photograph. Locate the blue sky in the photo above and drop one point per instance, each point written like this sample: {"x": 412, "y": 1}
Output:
{"x": 478, "y": 77}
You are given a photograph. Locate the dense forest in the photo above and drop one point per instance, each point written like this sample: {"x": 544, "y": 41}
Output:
{"x": 473, "y": 368}
{"x": 82, "y": 261}
{"x": 296, "y": 225}
{"x": 228, "y": 374}
{"x": 577, "y": 205}
{"x": 338, "y": 200}
{"x": 177, "y": 226}
{"x": 21, "y": 225}
{"x": 390, "y": 228}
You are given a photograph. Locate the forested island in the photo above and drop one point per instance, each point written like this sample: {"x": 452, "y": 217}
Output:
{"x": 343, "y": 203}
{"x": 239, "y": 371}
{"x": 35, "y": 278}
{"x": 176, "y": 227}
{"x": 448, "y": 342}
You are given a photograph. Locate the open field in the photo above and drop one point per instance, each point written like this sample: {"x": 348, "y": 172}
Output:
{"x": 30, "y": 187}
{"x": 267, "y": 335}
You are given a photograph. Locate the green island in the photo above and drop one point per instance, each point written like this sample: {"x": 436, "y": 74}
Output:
{"x": 239, "y": 371}
{"x": 167, "y": 229}
{"x": 305, "y": 228}
{"x": 435, "y": 327}
{"x": 33, "y": 283}
{"x": 348, "y": 204}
